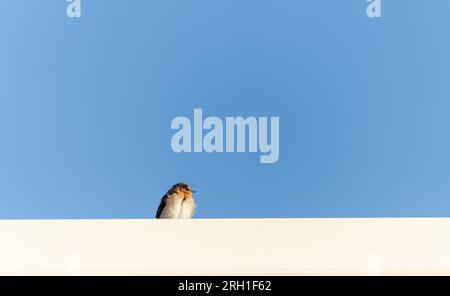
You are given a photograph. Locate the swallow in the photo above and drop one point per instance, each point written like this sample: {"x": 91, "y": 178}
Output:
{"x": 177, "y": 203}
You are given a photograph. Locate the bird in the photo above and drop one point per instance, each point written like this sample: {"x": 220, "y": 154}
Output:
{"x": 177, "y": 203}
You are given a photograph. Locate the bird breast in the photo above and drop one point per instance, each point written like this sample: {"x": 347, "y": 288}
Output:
{"x": 187, "y": 208}
{"x": 178, "y": 207}
{"x": 172, "y": 208}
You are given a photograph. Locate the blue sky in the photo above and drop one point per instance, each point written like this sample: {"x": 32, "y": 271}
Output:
{"x": 86, "y": 106}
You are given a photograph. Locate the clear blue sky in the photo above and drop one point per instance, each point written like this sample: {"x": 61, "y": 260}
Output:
{"x": 86, "y": 106}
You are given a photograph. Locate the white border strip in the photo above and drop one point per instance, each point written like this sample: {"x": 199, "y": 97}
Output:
{"x": 225, "y": 247}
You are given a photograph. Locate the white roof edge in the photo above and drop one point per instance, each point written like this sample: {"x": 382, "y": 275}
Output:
{"x": 361, "y": 246}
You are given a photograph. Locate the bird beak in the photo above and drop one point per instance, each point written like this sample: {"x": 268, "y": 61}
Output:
{"x": 193, "y": 191}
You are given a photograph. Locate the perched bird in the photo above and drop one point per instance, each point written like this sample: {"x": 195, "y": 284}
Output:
{"x": 178, "y": 203}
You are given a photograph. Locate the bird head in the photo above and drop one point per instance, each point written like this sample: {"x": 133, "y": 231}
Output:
{"x": 183, "y": 190}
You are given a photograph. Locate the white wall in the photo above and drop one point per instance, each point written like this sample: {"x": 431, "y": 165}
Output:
{"x": 227, "y": 246}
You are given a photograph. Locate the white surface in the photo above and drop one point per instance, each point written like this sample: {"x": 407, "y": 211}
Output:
{"x": 226, "y": 246}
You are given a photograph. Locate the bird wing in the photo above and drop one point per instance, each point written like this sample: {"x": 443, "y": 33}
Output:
{"x": 161, "y": 207}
